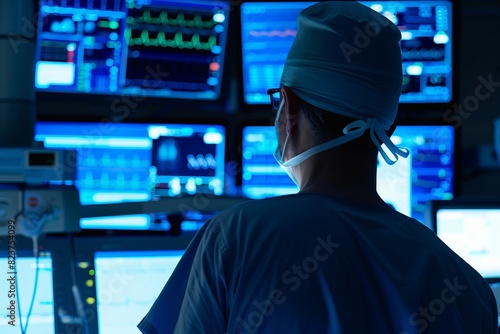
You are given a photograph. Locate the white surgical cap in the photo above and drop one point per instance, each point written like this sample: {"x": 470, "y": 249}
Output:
{"x": 346, "y": 59}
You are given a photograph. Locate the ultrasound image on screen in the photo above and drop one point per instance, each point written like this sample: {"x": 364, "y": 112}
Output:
{"x": 184, "y": 156}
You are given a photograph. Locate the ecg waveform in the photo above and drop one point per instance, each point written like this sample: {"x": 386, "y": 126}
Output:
{"x": 179, "y": 21}
{"x": 273, "y": 33}
{"x": 178, "y": 41}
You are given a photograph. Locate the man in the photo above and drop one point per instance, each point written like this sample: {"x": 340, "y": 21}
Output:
{"x": 333, "y": 258}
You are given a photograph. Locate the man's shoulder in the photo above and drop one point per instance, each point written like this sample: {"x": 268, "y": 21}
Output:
{"x": 257, "y": 207}
{"x": 311, "y": 210}
{"x": 260, "y": 204}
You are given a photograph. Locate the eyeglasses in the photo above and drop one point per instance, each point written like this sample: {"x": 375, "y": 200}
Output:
{"x": 275, "y": 95}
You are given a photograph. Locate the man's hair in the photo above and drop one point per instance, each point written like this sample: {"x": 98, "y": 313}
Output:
{"x": 325, "y": 125}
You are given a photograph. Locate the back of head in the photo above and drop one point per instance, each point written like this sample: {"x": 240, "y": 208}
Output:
{"x": 346, "y": 60}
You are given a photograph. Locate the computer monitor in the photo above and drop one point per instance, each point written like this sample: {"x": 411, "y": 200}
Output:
{"x": 121, "y": 277}
{"x": 120, "y": 162}
{"x": 143, "y": 274}
{"x": 269, "y": 28}
{"x": 19, "y": 291}
{"x": 261, "y": 175}
{"x": 188, "y": 159}
{"x": 471, "y": 229}
{"x": 155, "y": 48}
{"x": 428, "y": 173}
{"x": 51, "y": 273}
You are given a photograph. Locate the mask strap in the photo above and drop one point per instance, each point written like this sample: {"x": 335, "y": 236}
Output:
{"x": 378, "y": 133}
{"x": 284, "y": 148}
{"x": 351, "y": 133}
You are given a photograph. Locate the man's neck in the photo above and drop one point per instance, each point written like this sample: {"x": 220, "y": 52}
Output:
{"x": 333, "y": 174}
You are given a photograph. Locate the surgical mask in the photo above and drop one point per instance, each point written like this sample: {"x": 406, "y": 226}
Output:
{"x": 352, "y": 131}
{"x": 278, "y": 154}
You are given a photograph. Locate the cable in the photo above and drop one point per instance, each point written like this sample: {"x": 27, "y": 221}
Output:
{"x": 23, "y": 330}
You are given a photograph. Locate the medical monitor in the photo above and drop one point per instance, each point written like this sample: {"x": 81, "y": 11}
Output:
{"x": 21, "y": 270}
{"x": 269, "y": 28}
{"x": 120, "y": 162}
{"x": 188, "y": 160}
{"x": 428, "y": 173}
{"x": 470, "y": 229}
{"x": 121, "y": 277}
{"x": 144, "y": 273}
{"x": 157, "y": 48}
{"x": 261, "y": 175}
{"x": 15, "y": 311}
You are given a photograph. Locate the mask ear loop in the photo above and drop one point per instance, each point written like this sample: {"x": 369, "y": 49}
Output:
{"x": 352, "y": 131}
{"x": 284, "y": 148}
{"x": 376, "y": 134}
{"x": 282, "y": 103}
{"x": 276, "y": 121}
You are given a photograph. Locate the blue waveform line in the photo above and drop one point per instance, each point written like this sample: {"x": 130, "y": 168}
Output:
{"x": 273, "y": 33}
{"x": 423, "y": 54}
{"x": 268, "y": 58}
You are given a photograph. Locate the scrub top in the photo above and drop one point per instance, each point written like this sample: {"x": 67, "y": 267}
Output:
{"x": 311, "y": 263}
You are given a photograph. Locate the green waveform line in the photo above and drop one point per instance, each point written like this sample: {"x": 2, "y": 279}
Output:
{"x": 177, "y": 42}
{"x": 108, "y": 24}
{"x": 179, "y": 20}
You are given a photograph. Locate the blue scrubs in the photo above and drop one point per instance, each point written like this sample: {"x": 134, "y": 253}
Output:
{"x": 310, "y": 263}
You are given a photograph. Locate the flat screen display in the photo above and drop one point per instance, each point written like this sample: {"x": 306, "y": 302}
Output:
{"x": 407, "y": 186}
{"x": 122, "y": 303}
{"x": 472, "y": 233}
{"x": 158, "y": 48}
{"x": 268, "y": 30}
{"x": 17, "y": 297}
{"x": 123, "y": 162}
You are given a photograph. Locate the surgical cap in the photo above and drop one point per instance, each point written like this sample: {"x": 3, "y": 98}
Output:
{"x": 346, "y": 59}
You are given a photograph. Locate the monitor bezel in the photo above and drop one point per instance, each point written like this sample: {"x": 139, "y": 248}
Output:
{"x": 434, "y": 110}
{"x": 59, "y": 247}
{"x": 461, "y": 203}
{"x": 104, "y": 124}
{"x": 151, "y": 100}
{"x": 86, "y": 245}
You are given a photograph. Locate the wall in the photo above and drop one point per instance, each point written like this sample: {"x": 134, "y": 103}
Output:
{"x": 479, "y": 38}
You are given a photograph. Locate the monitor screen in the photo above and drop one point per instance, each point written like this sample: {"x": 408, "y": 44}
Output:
{"x": 119, "y": 162}
{"x": 120, "y": 277}
{"x": 472, "y": 233}
{"x": 18, "y": 294}
{"x": 261, "y": 175}
{"x": 428, "y": 173}
{"x": 188, "y": 159}
{"x": 156, "y": 48}
{"x": 121, "y": 306}
{"x": 269, "y": 28}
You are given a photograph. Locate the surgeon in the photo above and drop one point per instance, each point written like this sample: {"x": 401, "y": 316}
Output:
{"x": 333, "y": 258}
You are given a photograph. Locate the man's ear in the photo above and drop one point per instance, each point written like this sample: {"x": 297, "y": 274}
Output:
{"x": 290, "y": 109}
